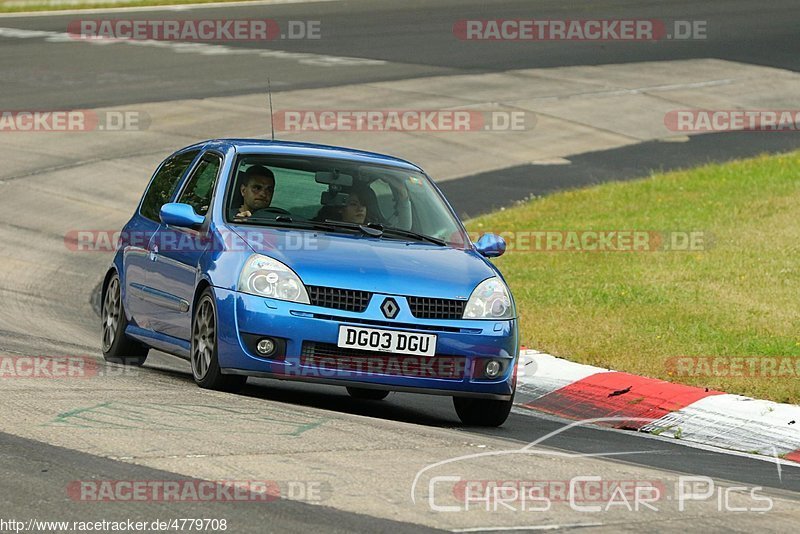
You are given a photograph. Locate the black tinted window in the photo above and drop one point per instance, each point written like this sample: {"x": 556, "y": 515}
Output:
{"x": 200, "y": 188}
{"x": 163, "y": 185}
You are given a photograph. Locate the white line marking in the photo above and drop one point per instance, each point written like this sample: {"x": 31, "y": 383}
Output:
{"x": 551, "y": 161}
{"x": 179, "y": 7}
{"x": 317, "y": 60}
{"x": 529, "y": 527}
{"x": 640, "y": 90}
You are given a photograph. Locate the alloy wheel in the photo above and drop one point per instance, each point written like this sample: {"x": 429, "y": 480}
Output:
{"x": 203, "y": 338}
{"x": 111, "y": 314}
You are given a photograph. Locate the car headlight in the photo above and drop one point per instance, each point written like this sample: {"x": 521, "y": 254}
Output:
{"x": 490, "y": 300}
{"x": 267, "y": 277}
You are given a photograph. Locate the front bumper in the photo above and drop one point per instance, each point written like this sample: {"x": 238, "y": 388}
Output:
{"x": 462, "y": 347}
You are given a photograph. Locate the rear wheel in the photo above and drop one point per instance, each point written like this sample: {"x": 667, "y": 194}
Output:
{"x": 482, "y": 412}
{"x": 367, "y": 394}
{"x": 205, "y": 363}
{"x": 117, "y": 347}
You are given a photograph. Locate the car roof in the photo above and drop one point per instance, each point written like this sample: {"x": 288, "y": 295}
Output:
{"x": 291, "y": 148}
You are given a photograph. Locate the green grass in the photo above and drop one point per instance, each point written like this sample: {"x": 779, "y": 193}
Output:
{"x": 15, "y": 6}
{"x": 633, "y": 311}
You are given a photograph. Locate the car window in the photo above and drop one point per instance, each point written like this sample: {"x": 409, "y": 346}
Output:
{"x": 163, "y": 185}
{"x": 200, "y": 188}
{"x": 320, "y": 189}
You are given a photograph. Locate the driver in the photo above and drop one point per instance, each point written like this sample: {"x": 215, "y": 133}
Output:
{"x": 257, "y": 188}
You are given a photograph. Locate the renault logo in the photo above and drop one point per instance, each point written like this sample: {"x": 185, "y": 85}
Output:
{"x": 390, "y": 308}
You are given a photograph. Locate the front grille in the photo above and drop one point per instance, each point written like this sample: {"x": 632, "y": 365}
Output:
{"x": 341, "y": 299}
{"x": 428, "y": 308}
{"x": 329, "y": 356}
{"x": 410, "y": 326}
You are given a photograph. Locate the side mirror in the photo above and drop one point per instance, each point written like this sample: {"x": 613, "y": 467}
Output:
{"x": 491, "y": 245}
{"x": 183, "y": 215}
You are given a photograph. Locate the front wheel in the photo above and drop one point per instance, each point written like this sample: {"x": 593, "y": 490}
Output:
{"x": 117, "y": 347}
{"x": 205, "y": 362}
{"x": 482, "y": 412}
{"x": 367, "y": 394}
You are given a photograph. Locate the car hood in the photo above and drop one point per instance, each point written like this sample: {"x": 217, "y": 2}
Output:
{"x": 365, "y": 263}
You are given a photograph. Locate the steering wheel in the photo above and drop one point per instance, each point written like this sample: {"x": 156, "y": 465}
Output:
{"x": 263, "y": 211}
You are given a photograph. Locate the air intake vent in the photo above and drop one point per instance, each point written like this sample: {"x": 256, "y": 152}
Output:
{"x": 427, "y": 308}
{"x": 339, "y": 299}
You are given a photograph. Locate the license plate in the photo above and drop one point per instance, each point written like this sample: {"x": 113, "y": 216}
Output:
{"x": 354, "y": 337}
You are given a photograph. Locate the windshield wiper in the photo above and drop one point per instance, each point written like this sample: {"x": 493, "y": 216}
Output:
{"x": 377, "y": 230}
{"x": 415, "y": 235}
{"x": 286, "y": 221}
{"x": 371, "y": 229}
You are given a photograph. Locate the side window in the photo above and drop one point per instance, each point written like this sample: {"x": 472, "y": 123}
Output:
{"x": 200, "y": 189}
{"x": 164, "y": 183}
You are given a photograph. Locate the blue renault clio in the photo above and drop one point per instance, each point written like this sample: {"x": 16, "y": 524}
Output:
{"x": 315, "y": 263}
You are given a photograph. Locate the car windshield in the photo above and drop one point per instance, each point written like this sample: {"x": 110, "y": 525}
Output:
{"x": 293, "y": 191}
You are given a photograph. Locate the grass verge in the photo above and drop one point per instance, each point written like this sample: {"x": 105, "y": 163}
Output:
{"x": 729, "y": 309}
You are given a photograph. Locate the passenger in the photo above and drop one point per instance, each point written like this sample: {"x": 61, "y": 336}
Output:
{"x": 355, "y": 211}
{"x": 257, "y": 189}
{"x": 362, "y": 207}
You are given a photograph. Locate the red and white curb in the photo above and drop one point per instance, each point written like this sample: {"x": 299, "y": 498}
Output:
{"x": 575, "y": 391}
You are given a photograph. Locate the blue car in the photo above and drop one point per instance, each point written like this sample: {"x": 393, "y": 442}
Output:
{"x": 314, "y": 263}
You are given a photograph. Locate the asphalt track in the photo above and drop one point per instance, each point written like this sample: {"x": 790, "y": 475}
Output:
{"x": 415, "y": 36}
{"x": 415, "y": 39}
{"x": 34, "y": 476}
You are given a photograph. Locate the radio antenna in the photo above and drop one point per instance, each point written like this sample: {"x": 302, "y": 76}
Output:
{"x": 271, "y": 114}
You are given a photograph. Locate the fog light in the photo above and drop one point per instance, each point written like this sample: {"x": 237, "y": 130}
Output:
{"x": 492, "y": 368}
{"x": 265, "y": 346}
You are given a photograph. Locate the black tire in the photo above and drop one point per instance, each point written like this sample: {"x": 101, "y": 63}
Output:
{"x": 203, "y": 353}
{"x": 367, "y": 394}
{"x": 116, "y": 346}
{"x": 482, "y": 412}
